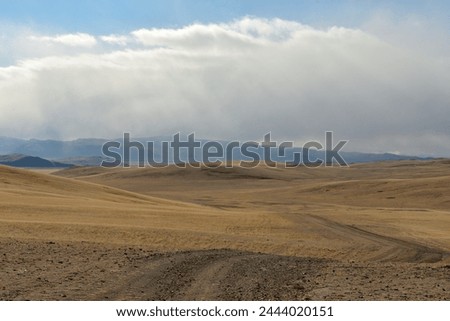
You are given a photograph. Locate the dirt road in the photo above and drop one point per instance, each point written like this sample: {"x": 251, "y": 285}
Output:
{"x": 83, "y": 271}
{"x": 389, "y": 249}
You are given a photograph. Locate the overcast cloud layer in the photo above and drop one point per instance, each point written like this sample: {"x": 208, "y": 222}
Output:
{"x": 235, "y": 80}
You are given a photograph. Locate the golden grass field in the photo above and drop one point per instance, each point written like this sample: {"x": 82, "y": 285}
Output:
{"x": 369, "y": 231}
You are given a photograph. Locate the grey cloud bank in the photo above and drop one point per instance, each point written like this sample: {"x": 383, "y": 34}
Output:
{"x": 236, "y": 80}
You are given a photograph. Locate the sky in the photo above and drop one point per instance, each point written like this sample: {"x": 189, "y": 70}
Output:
{"x": 376, "y": 73}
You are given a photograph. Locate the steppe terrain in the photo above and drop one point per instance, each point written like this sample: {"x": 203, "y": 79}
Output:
{"x": 377, "y": 231}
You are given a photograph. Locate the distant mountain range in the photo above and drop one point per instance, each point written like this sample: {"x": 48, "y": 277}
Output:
{"x": 52, "y": 149}
{"x": 88, "y": 152}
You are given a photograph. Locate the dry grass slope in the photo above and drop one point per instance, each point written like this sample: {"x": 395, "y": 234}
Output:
{"x": 96, "y": 233}
{"x": 407, "y": 200}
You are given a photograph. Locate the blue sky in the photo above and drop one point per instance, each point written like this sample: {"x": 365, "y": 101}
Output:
{"x": 374, "y": 72}
{"x": 117, "y": 16}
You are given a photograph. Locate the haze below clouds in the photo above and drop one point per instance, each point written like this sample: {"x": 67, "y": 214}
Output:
{"x": 383, "y": 86}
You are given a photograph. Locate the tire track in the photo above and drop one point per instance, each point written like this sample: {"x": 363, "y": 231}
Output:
{"x": 217, "y": 275}
{"x": 191, "y": 275}
{"x": 206, "y": 285}
{"x": 144, "y": 284}
{"x": 394, "y": 249}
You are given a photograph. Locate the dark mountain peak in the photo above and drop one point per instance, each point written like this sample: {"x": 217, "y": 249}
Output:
{"x": 20, "y": 160}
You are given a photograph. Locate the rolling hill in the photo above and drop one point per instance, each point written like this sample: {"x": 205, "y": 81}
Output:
{"x": 376, "y": 231}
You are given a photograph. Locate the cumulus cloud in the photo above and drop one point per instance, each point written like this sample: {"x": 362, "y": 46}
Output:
{"x": 236, "y": 80}
{"x": 115, "y": 39}
{"x": 72, "y": 40}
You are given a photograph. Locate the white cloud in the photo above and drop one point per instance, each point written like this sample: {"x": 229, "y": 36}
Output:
{"x": 115, "y": 39}
{"x": 236, "y": 80}
{"x": 72, "y": 40}
{"x": 197, "y": 37}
